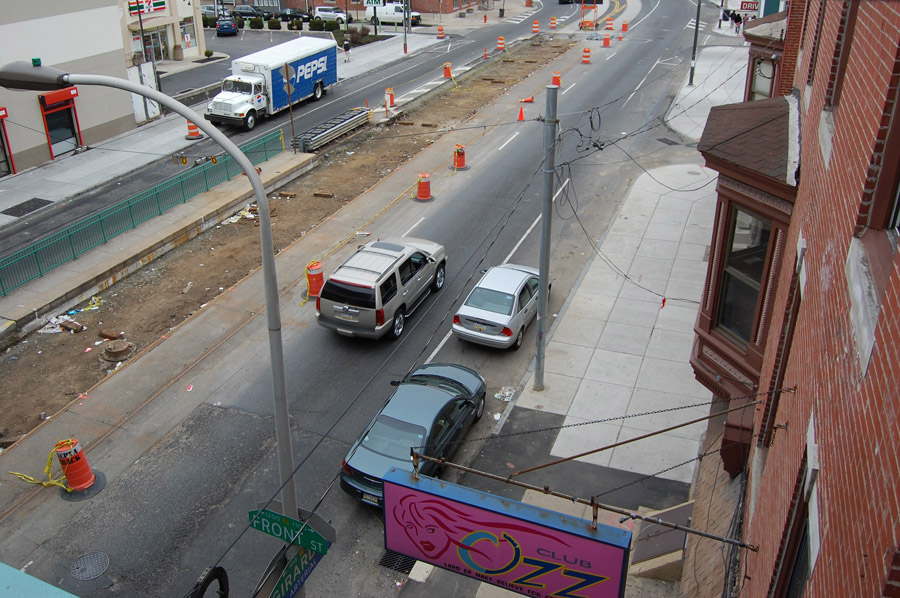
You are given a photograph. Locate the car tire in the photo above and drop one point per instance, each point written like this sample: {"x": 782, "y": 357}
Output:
{"x": 398, "y": 324}
{"x": 518, "y": 342}
{"x": 373, "y": 20}
{"x": 318, "y": 92}
{"x": 479, "y": 408}
{"x": 439, "y": 275}
{"x": 340, "y": 21}
{"x": 250, "y": 120}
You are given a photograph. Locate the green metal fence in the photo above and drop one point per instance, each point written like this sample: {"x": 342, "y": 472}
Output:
{"x": 33, "y": 261}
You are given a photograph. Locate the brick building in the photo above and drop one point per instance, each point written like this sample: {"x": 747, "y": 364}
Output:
{"x": 800, "y": 318}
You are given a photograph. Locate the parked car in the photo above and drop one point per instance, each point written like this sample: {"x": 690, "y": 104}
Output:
{"x": 390, "y": 13}
{"x": 226, "y": 26}
{"x": 292, "y": 14}
{"x": 371, "y": 294}
{"x": 431, "y": 410}
{"x": 248, "y": 11}
{"x": 331, "y": 13}
{"x": 211, "y": 10}
{"x": 499, "y": 308}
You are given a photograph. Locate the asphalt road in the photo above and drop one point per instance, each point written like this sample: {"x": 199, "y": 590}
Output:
{"x": 181, "y": 507}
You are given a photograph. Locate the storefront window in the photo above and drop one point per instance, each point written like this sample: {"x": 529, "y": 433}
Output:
{"x": 188, "y": 38}
{"x": 157, "y": 43}
{"x": 745, "y": 265}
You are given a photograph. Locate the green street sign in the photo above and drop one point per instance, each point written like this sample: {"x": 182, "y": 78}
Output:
{"x": 285, "y": 528}
{"x": 374, "y": 3}
{"x": 295, "y": 574}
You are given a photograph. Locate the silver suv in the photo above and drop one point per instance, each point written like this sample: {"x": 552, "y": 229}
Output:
{"x": 371, "y": 294}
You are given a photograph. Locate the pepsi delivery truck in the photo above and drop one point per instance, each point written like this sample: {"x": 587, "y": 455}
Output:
{"x": 259, "y": 83}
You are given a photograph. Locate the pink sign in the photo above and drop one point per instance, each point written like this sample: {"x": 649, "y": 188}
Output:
{"x": 509, "y": 544}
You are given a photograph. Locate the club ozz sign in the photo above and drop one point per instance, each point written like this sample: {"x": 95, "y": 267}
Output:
{"x": 519, "y": 547}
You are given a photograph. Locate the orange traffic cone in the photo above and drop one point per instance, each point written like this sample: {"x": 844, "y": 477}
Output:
{"x": 528, "y": 100}
{"x": 485, "y": 52}
{"x": 521, "y": 113}
{"x": 193, "y": 132}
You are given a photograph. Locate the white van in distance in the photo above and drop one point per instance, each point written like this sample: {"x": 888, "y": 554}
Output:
{"x": 390, "y": 13}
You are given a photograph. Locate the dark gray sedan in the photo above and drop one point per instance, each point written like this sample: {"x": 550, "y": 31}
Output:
{"x": 432, "y": 409}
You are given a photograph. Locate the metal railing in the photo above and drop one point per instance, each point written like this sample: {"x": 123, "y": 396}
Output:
{"x": 59, "y": 248}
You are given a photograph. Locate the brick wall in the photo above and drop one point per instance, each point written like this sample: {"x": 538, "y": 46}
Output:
{"x": 857, "y": 412}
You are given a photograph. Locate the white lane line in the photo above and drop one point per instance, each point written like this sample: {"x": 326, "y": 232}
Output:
{"x": 639, "y": 85}
{"x": 440, "y": 346}
{"x": 410, "y": 229}
{"x": 507, "y": 141}
{"x": 613, "y": 54}
{"x": 568, "y": 87}
{"x": 533, "y": 224}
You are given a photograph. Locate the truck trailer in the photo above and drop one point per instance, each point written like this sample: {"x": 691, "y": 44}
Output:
{"x": 268, "y": 81}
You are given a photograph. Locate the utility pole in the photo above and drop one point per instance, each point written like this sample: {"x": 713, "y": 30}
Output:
{"x": 694, "y": 51}
{"x": 550, "y": 125}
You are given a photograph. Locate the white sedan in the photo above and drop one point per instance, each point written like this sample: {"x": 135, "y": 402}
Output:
{"x": 499, "y": 308}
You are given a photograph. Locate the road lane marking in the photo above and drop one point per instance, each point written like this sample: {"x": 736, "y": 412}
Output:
{"x": 440, "y": 346}
{"x": 409, "y": 230}
{"x": 507, "y": 141}
{"x": 533, "y": 224}
{"x": 568, "y": 87}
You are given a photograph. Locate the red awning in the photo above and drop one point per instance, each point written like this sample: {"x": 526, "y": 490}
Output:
{"x": 60, "y": 95}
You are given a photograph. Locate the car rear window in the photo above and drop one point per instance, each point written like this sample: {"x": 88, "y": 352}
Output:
{"x": 490, "y": 300}
{"x": 393, "y": 438}
{"x": 341, "y": 292}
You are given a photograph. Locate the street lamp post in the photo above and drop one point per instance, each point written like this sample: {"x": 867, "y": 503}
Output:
{"x": 34, "y": 77}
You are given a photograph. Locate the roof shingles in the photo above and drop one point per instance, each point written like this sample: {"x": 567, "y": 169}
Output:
{"x": 751, "y": 135}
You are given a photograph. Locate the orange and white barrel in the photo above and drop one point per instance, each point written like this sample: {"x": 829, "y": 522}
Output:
{"x": 74, "y": 464}
{"x": 314, "y": 278}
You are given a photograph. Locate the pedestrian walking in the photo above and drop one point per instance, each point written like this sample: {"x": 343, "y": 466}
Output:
{"x": 346, "y": 50}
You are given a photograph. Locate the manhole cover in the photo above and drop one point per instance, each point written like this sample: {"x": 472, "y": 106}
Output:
{"x": 26, "y": 207}
{"x": 397, "y": 562}
{"x": 118, "y": 350}
{"x": 90, "y": 566}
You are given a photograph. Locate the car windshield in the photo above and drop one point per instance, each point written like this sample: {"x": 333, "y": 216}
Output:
{"x": 393, "y": 438}
{"x": 237, "y": 86}
{"x": 491, "y": 300}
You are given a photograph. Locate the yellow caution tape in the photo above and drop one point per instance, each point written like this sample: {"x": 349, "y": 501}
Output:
{"x": 49, "y": 481}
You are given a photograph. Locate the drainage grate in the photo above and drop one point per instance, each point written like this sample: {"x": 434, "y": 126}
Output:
{"x": 397, "y": 562}
{"x": 667, "y": 141}
{"x": 89, "y": 566}
{"x": 26, "y": 207}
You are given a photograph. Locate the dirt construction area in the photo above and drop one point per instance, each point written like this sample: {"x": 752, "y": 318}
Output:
{"x": 48, "y": 370}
